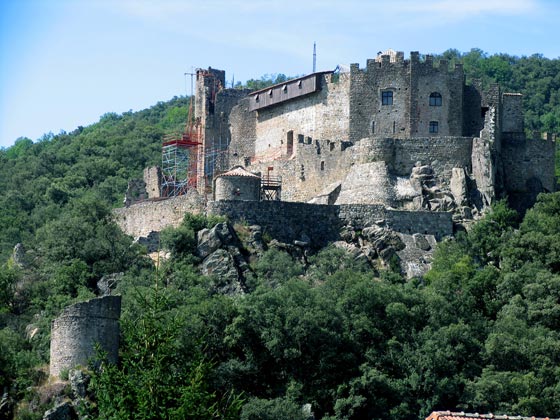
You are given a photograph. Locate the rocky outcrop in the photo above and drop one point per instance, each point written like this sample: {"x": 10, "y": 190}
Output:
{"x": 108, "y": 283}
{"x": 63, "y": 411}
{"x": 222, "y": 258}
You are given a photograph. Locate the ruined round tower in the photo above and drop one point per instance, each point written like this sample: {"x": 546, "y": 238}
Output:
{"x": 75, "y": 333}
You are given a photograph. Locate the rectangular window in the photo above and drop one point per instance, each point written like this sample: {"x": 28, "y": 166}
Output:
{"x": 387, "y": 97}
{"x": 434, "y": 127}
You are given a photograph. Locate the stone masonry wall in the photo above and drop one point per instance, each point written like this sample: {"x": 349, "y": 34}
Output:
{"x": 79, "y": 328}
{"x": 284, "y": 221}
{"x": 243, "y": 134}
{"x": 449, "y": 84}
{"x": 315, "y": 166}
{"x": 367, "y": 114}
{"x": 529, "y": 159}
{"x": 142, "y": 218}
{"x": 287, "y": 221}
{"x": 443, "y": 153}
{"x": 512, "y": 115}
{"x": 321, "y": 115}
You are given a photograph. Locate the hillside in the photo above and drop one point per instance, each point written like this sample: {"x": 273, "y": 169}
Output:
{"x": 479, "y": 333}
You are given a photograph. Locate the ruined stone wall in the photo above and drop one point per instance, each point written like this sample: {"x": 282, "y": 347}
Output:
{"x": 321, "y": 115}
{"x": 152, "y": 178}
{"x": 442, "y": 153}
{"x": 526, "y": 161}
{"x": 142, "y": 218}
{"x": 243, "y": 125}
{"x": 79, "y": 328}
{"x": 512, "y": 115}
{"x": 473, "y": 121}
{"x": 359, "y": 216}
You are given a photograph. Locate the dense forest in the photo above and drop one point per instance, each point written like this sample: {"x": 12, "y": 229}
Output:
{"x": 480, "y": 332}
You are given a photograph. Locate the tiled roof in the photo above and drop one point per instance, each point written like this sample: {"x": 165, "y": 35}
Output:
{"x": 448, "y": 415}
{"x": 239, "y": 171}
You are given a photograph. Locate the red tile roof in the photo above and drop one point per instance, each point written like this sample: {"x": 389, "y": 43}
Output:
{"x": 239, "y": 171}
{"x": 448, "y": 415}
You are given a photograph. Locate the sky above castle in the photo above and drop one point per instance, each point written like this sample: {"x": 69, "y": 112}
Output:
{"x": 64, "y": 63}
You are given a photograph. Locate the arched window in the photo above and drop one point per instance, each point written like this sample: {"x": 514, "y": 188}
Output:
{"x": 435, "y": 99}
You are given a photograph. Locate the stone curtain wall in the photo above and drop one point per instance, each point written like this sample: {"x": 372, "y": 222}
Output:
{"x": 438, "y": 224}
{"x": 79, "y": 328}
{"x": 142, "y": 218}
{"x": 287, "y": 221}
{"x": 284, "y": 221}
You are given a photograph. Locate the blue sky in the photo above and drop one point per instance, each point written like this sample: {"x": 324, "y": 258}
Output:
{"x": 64, "y": 63}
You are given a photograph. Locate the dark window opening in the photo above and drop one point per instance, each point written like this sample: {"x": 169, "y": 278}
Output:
{"x": 290, "y": 143}
{"x": 331, "y": 146}
{"x": 434, "y": 126}
{"x": 387, "y": 97}
{"x": 483, "y": 111}
{"x": 373, "y": 127}
{"x": 435, "y": 99}
{"x": 300, "y": 138}
{"x": 322, "y": 165}
{"x": 394, "y": 127}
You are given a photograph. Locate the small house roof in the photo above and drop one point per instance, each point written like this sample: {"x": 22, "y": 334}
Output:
{"x": 239, "y": 171}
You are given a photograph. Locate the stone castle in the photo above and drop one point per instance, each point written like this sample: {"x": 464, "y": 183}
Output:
{"x": 403, "y": 133}
{"x": 403, "y": 143}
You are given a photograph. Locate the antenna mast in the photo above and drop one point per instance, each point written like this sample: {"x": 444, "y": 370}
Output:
{"x": 314, "y": 57}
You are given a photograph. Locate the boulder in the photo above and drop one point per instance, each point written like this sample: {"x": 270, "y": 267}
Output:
{"x": 108, "y": 283}
{"x": 421, "y": 242}
{"x": 221, "y": 266}
{"x": 458, "y": 186}
{"x": 79, "y": 382}
{"x": 18, "y": 256}
{"x": 208, "y": 242}
{"x": 151, "y": 241}
{"x": 63, "y": 411}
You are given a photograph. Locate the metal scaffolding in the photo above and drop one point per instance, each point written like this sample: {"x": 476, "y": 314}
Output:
{"x": 179, "y": 164}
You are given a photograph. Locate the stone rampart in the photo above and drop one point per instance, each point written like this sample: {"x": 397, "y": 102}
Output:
{"x": 282, "y": 220}
{"x": 142, "y": 218}
{"x": 288, "y": 221}
{"x": 80, "y": 327}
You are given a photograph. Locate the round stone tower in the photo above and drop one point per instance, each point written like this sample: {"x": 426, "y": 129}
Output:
{"x": 75, "y": 333}
{"x": 237, "y": 184}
